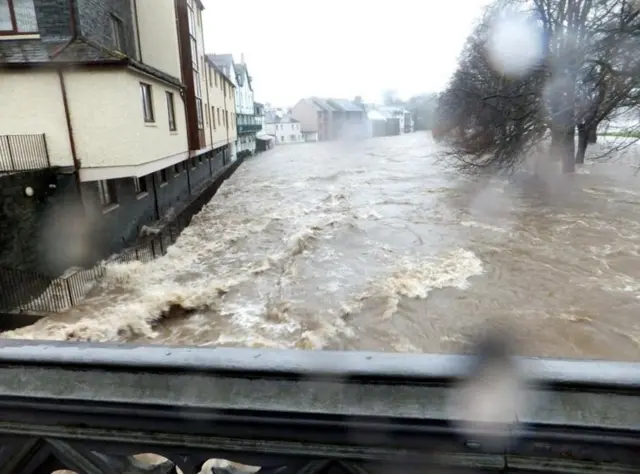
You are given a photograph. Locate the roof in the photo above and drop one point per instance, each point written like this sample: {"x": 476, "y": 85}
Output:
{"x": 218, "y": 69}
{"x": 81, "y": 51}
{"x": 241, "y": 71}
{"x": 224, "y": 62}
{"x": 376, "y": 115}
{"x": 346, "y": 105}
{"x": 285, "y": 119}
{"x": 322, "y": 104}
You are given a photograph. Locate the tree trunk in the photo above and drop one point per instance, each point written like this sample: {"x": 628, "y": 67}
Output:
{"x": 592, "y": 136}
{"x": 583, "y": 140}
{"x": 563, "y": 149}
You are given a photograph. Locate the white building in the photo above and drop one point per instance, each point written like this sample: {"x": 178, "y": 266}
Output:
{"x": 247, "y": 126}
{"x": 286, "y": 130}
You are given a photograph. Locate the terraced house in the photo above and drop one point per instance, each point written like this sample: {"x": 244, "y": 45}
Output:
{"x": 246, "y": 122}
{"x": 109, "y": 122}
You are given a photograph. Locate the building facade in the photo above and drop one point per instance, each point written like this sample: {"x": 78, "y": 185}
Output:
{"x": 285, "y": 130}
{"x": 118, "y": 91}
{"x": 246, "y": 124}
{"x": 331, "y": 119}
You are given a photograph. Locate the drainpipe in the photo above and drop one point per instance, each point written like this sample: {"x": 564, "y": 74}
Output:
{"x": 207, "y": 80}
{"x": 135, "y": 14}
{"x": 155, "y": 196}
{"x": 72, "y": 141}
{"x": 73, "y": 24}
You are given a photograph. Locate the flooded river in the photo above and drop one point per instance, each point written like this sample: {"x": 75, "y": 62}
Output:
{"x": 377, "y": 246}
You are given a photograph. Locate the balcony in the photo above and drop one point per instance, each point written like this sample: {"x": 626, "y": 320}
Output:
{"x": 90, "y": 408}
{"x": 249, "y": 128}
{"x": 23, "y": 153}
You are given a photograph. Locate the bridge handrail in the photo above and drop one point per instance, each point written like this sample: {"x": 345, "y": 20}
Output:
{"x": 92, "y": 406}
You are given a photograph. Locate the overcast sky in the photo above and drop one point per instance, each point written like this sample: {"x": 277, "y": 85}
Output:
{"x": 341, "y": 48}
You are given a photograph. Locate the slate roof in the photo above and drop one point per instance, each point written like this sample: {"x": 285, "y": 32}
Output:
{"x": 224, "y": 62}
{"x": 27, "y": 51}
{"x": 323, "y": 104}
{"x": 80, "y": 51}
{"x": 345, "y": 105}
{"x": 285, "y": 119}
{"x": 219, "y": 66}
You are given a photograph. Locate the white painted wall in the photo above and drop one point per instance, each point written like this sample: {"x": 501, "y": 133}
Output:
{"x": 285, "y": 133}
{"x": 244, "y": 98}
{"x": 159, "y": 35}
{"x": 109, "y": 126}
{"x": 31, "y": 103}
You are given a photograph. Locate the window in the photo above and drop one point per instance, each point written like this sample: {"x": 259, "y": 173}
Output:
{"x": 199, "y": 112}
{"x": 147, "y": 102}
{"x": 176, "y": 168}
{"x": 226, "y": 118}
{"x": 140, "y": 185}
{"x": 192, "y": 21}
{"x": 194, "y": 53}
{"x": 213, "y": 117}
{"x": 117, "y": 33}
{"x": 18, "y": 16}
{"x": 216, "y": 77}
{"x": 162, "y": 176}
{"x": 107, "y": 192}
{"x": 219, "y": 116}
{"x": 171, "y": 112}
{"x": 196, "y": 82}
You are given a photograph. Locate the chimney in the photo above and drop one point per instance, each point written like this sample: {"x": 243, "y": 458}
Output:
{"x": 241, "y": 58}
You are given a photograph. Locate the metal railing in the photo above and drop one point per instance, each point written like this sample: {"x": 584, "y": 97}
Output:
{"x": 93, "y": 408}
{"x": 247, "y": 128}
{"x": 30, "y": 292}
{"x": 23, "y": 153}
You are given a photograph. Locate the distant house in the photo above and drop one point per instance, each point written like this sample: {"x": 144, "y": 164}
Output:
{"x": 377, "y": 123}
{"x": 331, "y": 119}
{"x": 286, "y": 130}
{"x": 405, "y": 120}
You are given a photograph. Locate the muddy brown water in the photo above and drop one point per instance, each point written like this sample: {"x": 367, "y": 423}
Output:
{"x": 377, "y": 246}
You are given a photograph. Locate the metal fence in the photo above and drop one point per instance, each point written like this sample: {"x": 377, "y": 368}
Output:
{"x": 23, "y": 152}
{"x": 31, "y": 292}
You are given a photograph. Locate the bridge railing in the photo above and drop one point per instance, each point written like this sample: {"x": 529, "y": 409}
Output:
{"x": 97, "y": 408}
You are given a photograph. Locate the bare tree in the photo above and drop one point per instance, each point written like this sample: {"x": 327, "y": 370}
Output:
{"x": 590, "y": 67}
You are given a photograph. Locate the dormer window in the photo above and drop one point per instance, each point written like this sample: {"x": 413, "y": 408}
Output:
{"x": 117, "y": 33}
{"x": 17, "y": 17}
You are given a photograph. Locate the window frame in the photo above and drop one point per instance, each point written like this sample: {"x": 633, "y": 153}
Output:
{"x": 107, "y": 193}
{"x": 140, "y": 185}
{"x": 144, "y": 88}
{"x": 171, "y": 111}
{"x": 163, "y": 176}
{"x": 118, "y": 33}
{"x": 14, "y": 31}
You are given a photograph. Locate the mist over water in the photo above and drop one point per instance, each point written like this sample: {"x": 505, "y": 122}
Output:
{"x": 376, "y": 245}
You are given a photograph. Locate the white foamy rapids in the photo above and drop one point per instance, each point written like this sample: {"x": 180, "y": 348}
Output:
{"x": 417, "y": 278}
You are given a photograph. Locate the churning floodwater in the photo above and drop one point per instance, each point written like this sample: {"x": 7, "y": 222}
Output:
{"x": 376, "y": 245}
